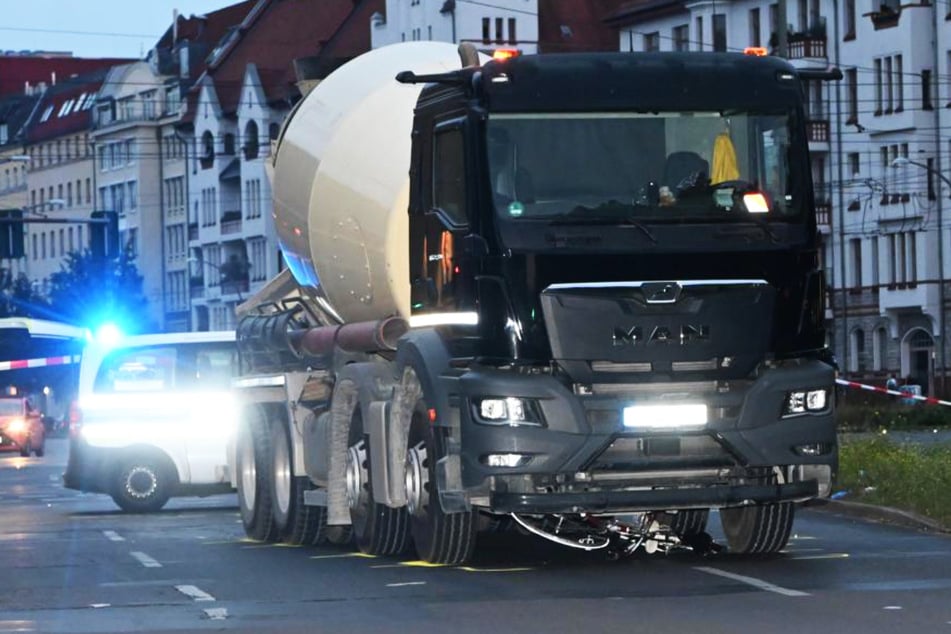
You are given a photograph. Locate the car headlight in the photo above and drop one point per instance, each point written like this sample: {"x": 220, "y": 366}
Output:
{"x": 506, "y": 411}
{"x": 17, "y": 426}
{"x": 806, "y": 401}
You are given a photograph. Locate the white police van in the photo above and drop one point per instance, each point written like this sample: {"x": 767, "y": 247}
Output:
{"x": 154, "y": 418}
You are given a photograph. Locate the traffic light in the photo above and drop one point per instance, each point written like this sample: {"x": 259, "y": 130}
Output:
{"x": 104, "y": 234}
{"x": 11, "y": 234}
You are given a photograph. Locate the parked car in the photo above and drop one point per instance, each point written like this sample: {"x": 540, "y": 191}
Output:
{"x": 153, "y": 419}
{"x": 21, "y": 427}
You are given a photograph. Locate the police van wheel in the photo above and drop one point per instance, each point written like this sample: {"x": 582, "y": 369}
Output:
{"x": 142, "y": 485}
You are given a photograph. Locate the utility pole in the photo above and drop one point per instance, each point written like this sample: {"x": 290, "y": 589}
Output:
{"x": 782, "y": 34}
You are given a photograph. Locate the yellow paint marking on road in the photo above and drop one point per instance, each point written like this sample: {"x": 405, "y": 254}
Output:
{"x": 421, "y": 564}
{"x": 471, "y": 569}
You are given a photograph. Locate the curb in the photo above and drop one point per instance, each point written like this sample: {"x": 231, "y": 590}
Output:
{"x": 879, "y": 514}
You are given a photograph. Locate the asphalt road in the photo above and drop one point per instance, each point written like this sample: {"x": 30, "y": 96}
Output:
{"x": 73, "y": 563}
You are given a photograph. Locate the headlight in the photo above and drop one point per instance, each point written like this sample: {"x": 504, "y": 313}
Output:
{"x": 17, "y": 426}
{"x": 804, "y": 401}
{"x": 506, "y": 411}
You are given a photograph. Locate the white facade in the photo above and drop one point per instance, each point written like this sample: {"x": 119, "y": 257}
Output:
{"x": 127, "y": 138}
{"x": 488, "y": 25}
{"x": 232, "y": 243}
{"x": 886, "y": 242}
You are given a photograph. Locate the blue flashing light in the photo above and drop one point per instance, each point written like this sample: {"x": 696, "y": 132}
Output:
{"x": 108, "y": 335}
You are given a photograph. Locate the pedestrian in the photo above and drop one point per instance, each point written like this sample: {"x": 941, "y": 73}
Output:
{"x": 892, "y": 382}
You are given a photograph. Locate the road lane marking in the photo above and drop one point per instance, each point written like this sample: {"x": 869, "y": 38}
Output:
{"x": 471, "y": 569}
{"x": 406, "y": 583}
{"x": 96, "y": 606}
{"x": 892, "y": 607}
{"x": 195, "y": 593}
{"x": 343, "y": 555}
{"x": 145, "y": 560}
{"x": 216, "y": 614}
{"x": 113, "y": 536}
{"x": 826, "y": 556}
{"x": 753, "y": 581}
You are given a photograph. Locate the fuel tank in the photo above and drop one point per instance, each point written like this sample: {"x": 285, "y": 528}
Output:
{"x": 341, "y": 181}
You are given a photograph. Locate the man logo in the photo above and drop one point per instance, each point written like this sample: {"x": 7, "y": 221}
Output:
{"x": 687, "y": 334}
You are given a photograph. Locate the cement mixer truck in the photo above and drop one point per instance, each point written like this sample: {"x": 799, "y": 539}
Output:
{"x": 577, "y": 294}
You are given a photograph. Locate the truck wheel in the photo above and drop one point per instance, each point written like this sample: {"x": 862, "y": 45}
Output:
{"x": 689, "y": 522}
{"x": 253, "y": 466}
{"x": 296, "y": 522}
{"x": 443, "y": 538}
{"x": 377, "y": 528}
{"x": 757, "y": 530}
{"x": 142, "y": 484}
{"x": 26, "y": 448}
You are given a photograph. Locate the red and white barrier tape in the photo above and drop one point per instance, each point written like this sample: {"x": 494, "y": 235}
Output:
{"x": 900, "y": 394}
{"x": 20, "y": 364}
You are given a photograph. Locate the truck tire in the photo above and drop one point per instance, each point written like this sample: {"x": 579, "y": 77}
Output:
{"x": 295, "y": 522}
{"x": 689, "y": 522}
{"x": 142, "y": 484}
{"x": 377, "y": 528}
{"x": 253, "y": 466}
{"x": 762, "y": 529}
{"x": 440, "y": 538}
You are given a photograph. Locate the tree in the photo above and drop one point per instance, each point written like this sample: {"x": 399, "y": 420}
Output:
{"x": 90, "y": 290}
{"x": 19, "y": 299}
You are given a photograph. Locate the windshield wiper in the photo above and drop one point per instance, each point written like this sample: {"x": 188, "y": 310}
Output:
{"x": 758, "y": 223}
{"x": 624, "y": 221}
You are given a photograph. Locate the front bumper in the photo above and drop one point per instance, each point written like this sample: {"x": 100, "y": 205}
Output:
{"x": 12, "y": 442}
{"x": 585, "y": 460}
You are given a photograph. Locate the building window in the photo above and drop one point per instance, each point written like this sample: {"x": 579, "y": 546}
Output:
{"x": 878, "y": 86}
{"x": 852, "y": 86}
{"x": 899, "y": 84}
{"x": 719, "y": 32}
{"x": 875, "y": 276}
{"x": 857, "y": 356}
{"x": 499, "y": 31}
{"x": 754, "y": 27}
{"x": 486, "y": 30}
{"x": 848, "y": 16}
{"x": 855, "y": 247}
{"x": 652, "y": 41}
{"x": 251, "y": 140}
{"x": 889, "y": 86}
{"x": 699, "y": 24}
{"x": 926, "y": 90}
{"x": 854, "y": 163}
{"x": 513, "y": 38}
{"x": 681, "y": 37}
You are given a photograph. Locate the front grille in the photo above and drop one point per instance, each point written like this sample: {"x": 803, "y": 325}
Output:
{"x": 634, "y": 389}
{"x": 662, "y": 452}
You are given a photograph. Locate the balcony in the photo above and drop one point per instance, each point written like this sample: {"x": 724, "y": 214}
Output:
{"x": 234, "y": 287}
{"x": 817, "y": 130}
{"x": 808, "y": 47}
{"x": 231, "y": 222}
{"x": 823, "y": 214}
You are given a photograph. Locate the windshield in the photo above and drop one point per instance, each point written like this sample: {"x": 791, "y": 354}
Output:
{"x": 675, "y": 166}
{"x": 11, "y": 408}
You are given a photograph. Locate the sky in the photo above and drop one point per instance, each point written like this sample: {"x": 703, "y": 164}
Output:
{"x": 93, "y": 28}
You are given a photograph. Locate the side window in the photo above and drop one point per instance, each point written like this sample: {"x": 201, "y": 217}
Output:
{"x": 138, "y": 370}
{"x": 449, "y": 182}
{"x": 208, "y": 366}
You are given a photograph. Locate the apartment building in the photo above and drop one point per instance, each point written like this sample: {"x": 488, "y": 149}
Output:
{"x": 60, "y": 176}
{"x": 880, "y": 158}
